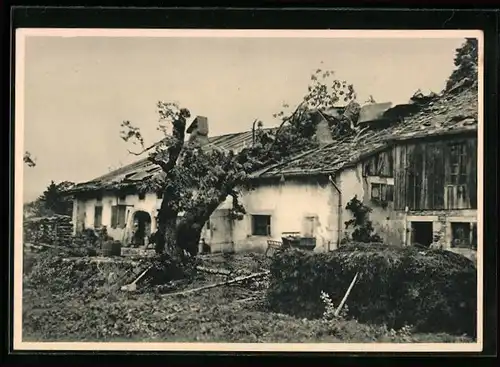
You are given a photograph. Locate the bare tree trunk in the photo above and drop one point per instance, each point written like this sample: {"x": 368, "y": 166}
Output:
{"x": 188, "y": 236}
{"x": 167, "y": 225}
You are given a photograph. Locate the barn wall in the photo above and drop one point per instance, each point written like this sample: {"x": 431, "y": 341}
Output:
{"x": 436, "y": 175}
{"x": 436, "y": 182}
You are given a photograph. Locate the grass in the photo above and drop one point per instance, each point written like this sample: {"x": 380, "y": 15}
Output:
{"x": 216, "y": 315}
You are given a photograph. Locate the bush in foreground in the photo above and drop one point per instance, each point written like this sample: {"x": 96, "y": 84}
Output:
{"x": 432, "y": 290}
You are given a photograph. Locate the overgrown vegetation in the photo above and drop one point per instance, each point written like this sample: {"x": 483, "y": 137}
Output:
{"x": 82, "y": 302}
{"x": 433, "y": 290}
{"x": 363, "y": 230}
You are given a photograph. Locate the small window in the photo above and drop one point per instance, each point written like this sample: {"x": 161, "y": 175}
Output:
{"x": 122, "y": 197}
{"x": 462, "y": 235}
{"x": 380, "y": 165}
{"x": 261, "y": 225}
{"x": 142, "y": 196}
{"x": 99, "y": 198}
{"x": 382, "y": 192}
{"x": 97, "y": 216}
{"x": 118, "y": 216}
{"x": 207, "y": 225}
{"x": 159, "y": 195}
{"x": 309, "y": 226}
{"x": 458, "y": 164}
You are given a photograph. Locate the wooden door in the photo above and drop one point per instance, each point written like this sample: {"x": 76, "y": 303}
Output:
{"x": 221, "y": 231}
{"x": 80, "y": 216}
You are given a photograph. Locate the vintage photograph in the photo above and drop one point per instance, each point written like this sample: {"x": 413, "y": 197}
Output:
{"x": 248, "y": 190}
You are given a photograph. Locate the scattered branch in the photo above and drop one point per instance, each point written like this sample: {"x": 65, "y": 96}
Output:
{"x": 29, "y": 160}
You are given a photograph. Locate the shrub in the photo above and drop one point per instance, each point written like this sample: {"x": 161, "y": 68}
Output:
{"x": 363, "y": 228}
{"x": 433, "y": 290}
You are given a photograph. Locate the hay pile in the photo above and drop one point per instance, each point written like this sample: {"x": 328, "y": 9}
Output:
{"x": 432, "y": 290}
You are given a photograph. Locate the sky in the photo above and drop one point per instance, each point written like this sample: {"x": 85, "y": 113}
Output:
{"x": 78, "y": 90}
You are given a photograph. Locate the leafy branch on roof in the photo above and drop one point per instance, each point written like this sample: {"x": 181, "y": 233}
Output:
{"x": 195, "y": 179}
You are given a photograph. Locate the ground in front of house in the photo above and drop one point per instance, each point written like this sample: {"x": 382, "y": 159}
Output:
{"x": 229, "y": 313}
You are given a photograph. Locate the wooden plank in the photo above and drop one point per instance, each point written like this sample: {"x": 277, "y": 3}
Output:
{"x": 438, "y": 193}
{"x": 429, "y": 176}
{"x": 472, "y": 172}
{"x": 337, "y": 311}
{"x": 232, "y": 281}
{"x": 401, "y": 168}
{"x": 418, "y": 170}
{"x": 410, "y": 177}
{"x": 397, "y": 178}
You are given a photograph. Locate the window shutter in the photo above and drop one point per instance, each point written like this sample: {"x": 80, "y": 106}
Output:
{"x": 383, "y": 192}
{"x": 121, "y": 217}
{"x": 114, "y": 215}
{"x": 390, "y": 193}
{"x": 98, "y": 217}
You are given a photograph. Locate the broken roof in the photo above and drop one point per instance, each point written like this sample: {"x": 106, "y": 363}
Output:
{"x": 143, "y": 168}
{"x": 373, "y": 111}
{"x": 447, "y": 114}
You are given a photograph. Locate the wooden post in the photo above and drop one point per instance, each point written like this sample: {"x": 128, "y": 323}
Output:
{"x": 337, "y": 311}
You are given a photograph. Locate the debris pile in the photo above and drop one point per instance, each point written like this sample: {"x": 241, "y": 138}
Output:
{"x": 433, "y": 290}
{"x": 52, "y": 230}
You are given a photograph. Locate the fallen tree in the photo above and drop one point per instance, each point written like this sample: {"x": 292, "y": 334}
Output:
{"x": 195, "y": 179}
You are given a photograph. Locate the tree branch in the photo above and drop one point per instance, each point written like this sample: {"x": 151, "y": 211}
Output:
{"x": 286, "y": 119}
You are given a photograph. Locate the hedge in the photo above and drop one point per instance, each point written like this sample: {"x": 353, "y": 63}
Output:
{"x": 432, "y": 290}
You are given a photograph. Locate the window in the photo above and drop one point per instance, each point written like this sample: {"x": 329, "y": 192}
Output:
{"x": 458, "y": 164}
{"x": 159, "y": 195}
{"x": 118, "y": 216}
{"x": 207, "y": 224}
{"x": 142, "y": 196}
{"x": 380, "y": 164}
{"x": 98, "y": 216}
{"x": 261, "y": 225}
{"x": 309, "y": 226}
{"x": 462, "y": 235}
{"x": 382, "y": 192}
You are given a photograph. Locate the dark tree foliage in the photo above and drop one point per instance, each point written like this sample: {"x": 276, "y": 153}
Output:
{"x": 52, "y": 201}
{"x": 196, "y": 179}
{"x": 466, "y": 62}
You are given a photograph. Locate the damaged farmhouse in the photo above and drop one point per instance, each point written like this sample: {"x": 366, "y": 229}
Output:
{"x": 315, "y": 194}
{"x": 414, "y": 165}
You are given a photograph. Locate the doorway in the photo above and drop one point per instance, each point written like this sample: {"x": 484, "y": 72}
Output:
{"x": 80, "y": 216}
{"x": 221, "y": 231}
{"x": 141, "y": 228}
{"x": 421, "y": 233}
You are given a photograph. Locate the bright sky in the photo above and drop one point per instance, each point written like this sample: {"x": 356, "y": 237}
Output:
{"x": 78, "y": 90}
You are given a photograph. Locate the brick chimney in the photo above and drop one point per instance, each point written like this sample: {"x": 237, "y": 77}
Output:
{"x": 198, "y": 130}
